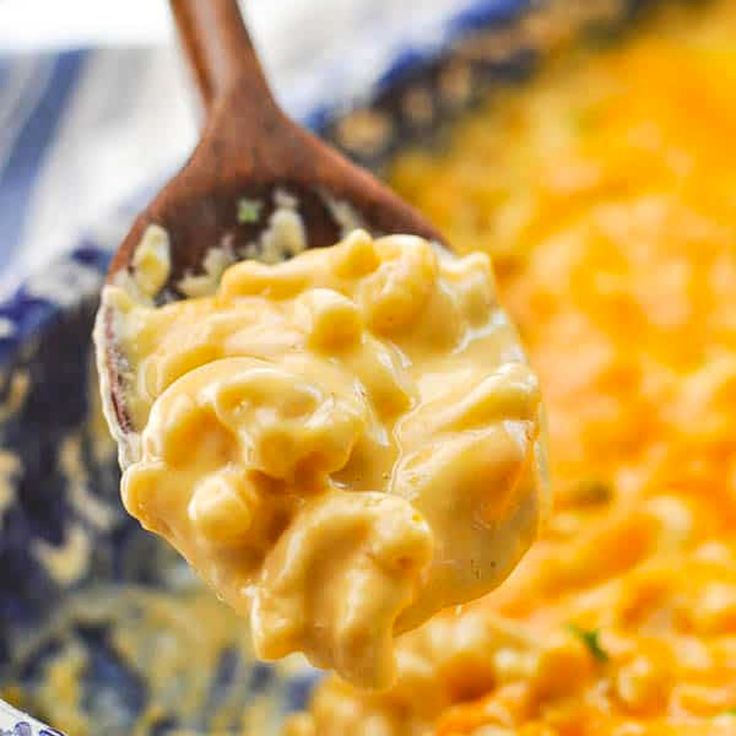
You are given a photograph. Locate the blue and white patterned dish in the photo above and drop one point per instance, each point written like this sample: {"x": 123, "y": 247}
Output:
{"x": 58, "y": 478}
{"x": 15, "y": 723}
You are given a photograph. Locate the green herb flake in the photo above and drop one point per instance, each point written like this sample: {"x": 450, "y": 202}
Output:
{"x": 249, "y": 210}
{"x": 730, "y": 712}
{"x": 592, "y": 493}
{"x": 591, "y": 639}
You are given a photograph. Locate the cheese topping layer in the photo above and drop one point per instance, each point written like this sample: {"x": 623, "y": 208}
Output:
{"x": 606, "y": 192}
{"x": 341, "y": 444}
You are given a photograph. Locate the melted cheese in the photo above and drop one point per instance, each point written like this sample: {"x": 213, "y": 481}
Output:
{"x": 605, "y": 191}
{"x": 341, "y": 445}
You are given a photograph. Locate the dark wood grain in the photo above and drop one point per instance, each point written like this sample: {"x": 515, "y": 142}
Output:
{"x": 250, "y": 148}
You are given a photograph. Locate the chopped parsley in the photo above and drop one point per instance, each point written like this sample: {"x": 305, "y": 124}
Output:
{"x": 592, "y": 493}
{"x": 730, "y": 712}
{"x": 591, "y": 639}
{"x": 249, "y": 210}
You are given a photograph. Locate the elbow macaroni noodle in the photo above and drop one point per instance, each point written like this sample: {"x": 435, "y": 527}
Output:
{"x": 341, "y": 444}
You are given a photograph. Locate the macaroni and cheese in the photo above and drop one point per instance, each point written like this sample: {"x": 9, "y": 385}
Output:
{"x": 341, "y": 444}
{"x": 605, "y": 192}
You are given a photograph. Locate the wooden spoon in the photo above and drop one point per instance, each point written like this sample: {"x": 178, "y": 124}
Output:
{"x": 248, "y": 149}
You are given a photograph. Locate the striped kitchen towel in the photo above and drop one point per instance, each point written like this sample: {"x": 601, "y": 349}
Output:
{"x": 87, "y": 135}
{"x": 81, "y": 134}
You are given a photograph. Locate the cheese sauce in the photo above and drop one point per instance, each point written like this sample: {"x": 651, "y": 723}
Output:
{"x": 606, "y": 192}
{"x": 342, "y": 444}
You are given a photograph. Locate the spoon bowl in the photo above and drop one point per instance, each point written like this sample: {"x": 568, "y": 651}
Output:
{"x": 250, "y": 158}
{"x": 248, "y": 150}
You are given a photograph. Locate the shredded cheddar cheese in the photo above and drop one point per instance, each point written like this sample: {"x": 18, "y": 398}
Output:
{"x": 606, "y": 192}
{"x": 341, "y": 444}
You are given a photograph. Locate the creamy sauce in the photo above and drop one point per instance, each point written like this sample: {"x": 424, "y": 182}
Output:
{"x": 341, "y": 445}
{"x": 605, "y": 192}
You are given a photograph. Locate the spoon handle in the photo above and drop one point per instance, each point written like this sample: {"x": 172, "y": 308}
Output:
{"x": 220, "y": 52}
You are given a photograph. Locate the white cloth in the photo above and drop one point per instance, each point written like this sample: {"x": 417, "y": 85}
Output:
{"x": 127, "y": 120}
